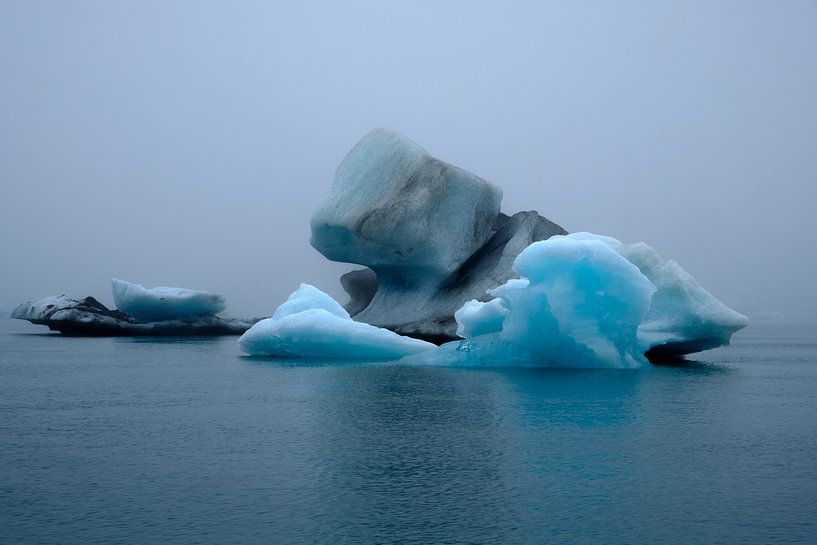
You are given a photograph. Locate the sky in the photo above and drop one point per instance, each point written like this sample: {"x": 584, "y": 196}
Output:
{"x": 188, "y": 143}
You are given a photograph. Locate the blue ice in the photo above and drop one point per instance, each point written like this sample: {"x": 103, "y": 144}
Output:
{"x": 586, "y": 300}
{"x": 582, "y": 300}
{"x": 310, "y": 324}
{"x": 160, "y": 304}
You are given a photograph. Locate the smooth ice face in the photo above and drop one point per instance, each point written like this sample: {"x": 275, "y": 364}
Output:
{"x": 392, "y": 205}
{"x": 310, "y": 324}
{"x": 588, "y": 301}
{"x": 160, "y": 304}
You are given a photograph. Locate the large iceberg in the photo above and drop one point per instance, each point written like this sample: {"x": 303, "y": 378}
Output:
{"x": 160, "y": 304}
{"x": 310, "y": 324}
{"x": 583, "y": 300}
{"x": 588, "y": 301}
{"x": 431, "y": 234}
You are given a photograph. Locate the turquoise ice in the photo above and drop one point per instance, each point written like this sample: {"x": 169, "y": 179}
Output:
{"x": 161, "y": 304}
{"x": 586, "y": 300}
{"x": 582, "y": 300}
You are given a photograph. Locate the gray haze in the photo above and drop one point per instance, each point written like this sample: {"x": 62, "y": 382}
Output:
{"x": 187, "y": 143}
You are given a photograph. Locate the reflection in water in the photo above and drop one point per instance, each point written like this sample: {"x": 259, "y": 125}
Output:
{"x": 694, "y": 366}
{"x": 273, "y": 361}
{"x": 187, "y": 341}
{"x": 422, "y": 445}
{"x": 425, "y": 443}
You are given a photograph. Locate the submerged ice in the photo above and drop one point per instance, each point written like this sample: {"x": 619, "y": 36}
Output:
{"x": 310, "y": 324}
{"x": 588, "y": 301}
{"x": 161, "y": 304}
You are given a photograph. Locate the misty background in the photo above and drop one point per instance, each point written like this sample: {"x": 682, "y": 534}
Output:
{"x": 187, "y": 143}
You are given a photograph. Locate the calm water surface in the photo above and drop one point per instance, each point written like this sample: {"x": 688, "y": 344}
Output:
{"x": 185, "y": 441}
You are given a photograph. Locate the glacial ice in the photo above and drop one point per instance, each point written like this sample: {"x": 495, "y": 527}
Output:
{"x": 160, "y": 304}
{"x": 431, "y": 234}
{"x": 683, "y": 317}
{"x": 308, "y": 297}
{"x": 393, "y": 205}
{"x": 583, "y": 300}
{"x": 588, "y": 301}
{"x": 89, "y": 317}
{"x": 310, "y": 324}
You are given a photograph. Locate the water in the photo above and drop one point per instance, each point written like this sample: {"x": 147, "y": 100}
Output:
{"x": 184, "y": 441}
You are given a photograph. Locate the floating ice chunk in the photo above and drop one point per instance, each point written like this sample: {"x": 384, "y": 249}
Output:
{"x": 90, "y": 317}
{"x": 310, "y": 324}
{"x": 588, "y": 301}
{"x": 308, "y": 297}
{"x": 579, "y": 305}
{"x": 160, "y": 304}
{"x": 317, "y": 333}
{"x": 683, "y": 317}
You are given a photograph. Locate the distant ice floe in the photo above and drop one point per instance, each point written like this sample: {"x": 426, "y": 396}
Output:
{"x": 160, "y": 304}
{"x": 89, "y": 317}
{"x": 310, "y": 324}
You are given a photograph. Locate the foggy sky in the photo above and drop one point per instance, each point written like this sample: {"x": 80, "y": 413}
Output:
{"x": 187, "y": 143}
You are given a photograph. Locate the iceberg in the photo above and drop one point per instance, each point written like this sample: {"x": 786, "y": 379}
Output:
{"x": 160, "y": 304}
{"x": 588, "y": 301}
{"x": 89, "y": 317}
{"x": 310, "y": 324}
{"x": 683, "y": 317}
{"x": 430, "y": 234}
{"x": 391, "y": 204}
{"x": 583, "y": 300}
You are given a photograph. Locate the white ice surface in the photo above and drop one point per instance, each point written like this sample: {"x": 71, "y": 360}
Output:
{"x": 310, "y": 324}
{"x": 477, "y": 318}
{"x": 308, "y": 297}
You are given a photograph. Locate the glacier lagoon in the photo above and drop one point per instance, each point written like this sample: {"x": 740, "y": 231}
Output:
{"x": 184, "y": 440}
